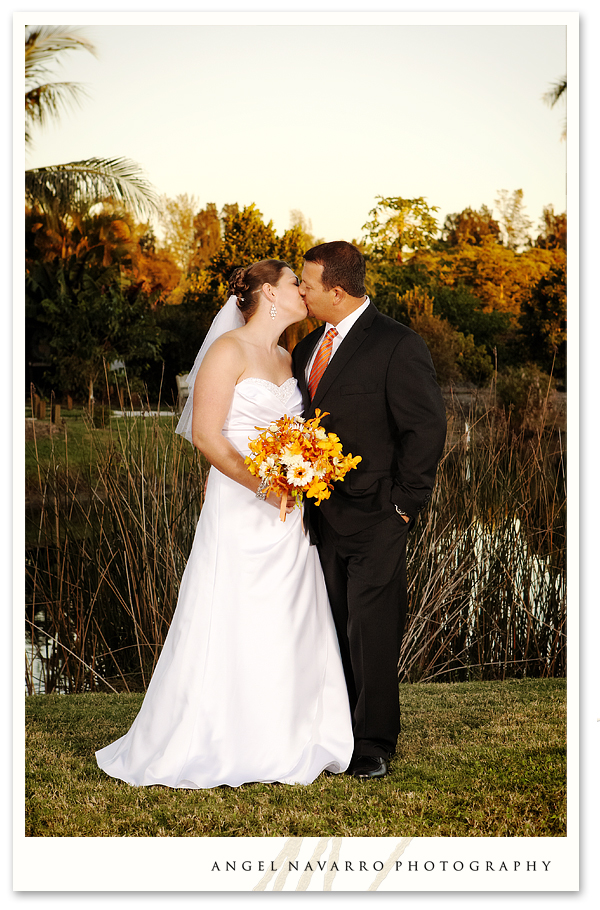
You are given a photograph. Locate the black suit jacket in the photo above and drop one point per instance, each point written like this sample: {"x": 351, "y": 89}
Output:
{"x": 385, "y": 404}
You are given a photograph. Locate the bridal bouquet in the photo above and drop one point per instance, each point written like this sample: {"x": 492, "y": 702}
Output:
{"x": 296, "y": 456}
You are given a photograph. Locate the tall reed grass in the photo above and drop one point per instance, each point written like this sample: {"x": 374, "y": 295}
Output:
{"x": 108, "y": 545}
{"x": 487, "y": 564}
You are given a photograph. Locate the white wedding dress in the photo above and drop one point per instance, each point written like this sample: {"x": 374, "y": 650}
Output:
{"x": 249, "y": 685}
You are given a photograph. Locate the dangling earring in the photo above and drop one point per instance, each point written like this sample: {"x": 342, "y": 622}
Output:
{"x": 273, "y": 311}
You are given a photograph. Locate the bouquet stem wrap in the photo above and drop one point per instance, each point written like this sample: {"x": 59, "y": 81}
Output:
{"x": 283, "y": 508}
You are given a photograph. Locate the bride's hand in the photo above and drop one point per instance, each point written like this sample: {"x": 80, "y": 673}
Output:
{"x": 275, "y": 500}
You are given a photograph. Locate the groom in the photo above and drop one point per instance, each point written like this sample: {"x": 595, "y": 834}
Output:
{"x": 376, "y": 379}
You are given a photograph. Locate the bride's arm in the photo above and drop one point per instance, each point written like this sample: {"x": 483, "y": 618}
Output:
{"x": 213, "y": 392}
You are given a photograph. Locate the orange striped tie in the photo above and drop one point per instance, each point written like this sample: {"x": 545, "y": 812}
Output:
{"x": 321, "y": 361}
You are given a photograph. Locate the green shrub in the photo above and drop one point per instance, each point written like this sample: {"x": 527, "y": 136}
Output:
{"x": 524, "y": 392}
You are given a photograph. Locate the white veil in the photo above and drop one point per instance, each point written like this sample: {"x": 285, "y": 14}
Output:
{"x": 229, "y": 317}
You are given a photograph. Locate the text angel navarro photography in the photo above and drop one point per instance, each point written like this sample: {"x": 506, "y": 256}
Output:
{"x": 441, "y": 865}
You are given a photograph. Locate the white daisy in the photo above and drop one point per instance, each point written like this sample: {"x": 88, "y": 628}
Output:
{"x": 301, "y": 474}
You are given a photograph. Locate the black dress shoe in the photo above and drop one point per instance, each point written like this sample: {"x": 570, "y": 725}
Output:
{"x": 367, "y": 766}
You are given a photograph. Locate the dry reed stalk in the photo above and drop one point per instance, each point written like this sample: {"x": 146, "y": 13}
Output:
{"x": 486, "y": 561}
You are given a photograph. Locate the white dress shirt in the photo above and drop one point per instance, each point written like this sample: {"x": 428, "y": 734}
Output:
{"x": 343, "y": 327}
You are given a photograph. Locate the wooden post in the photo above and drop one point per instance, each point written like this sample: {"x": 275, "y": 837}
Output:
{"x": 69, "y": 403}
{"x": 41, "y": 410}
{"x": 56, "y": 413}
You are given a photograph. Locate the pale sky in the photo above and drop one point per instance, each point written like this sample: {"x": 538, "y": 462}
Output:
{"x": 322, "y": 118}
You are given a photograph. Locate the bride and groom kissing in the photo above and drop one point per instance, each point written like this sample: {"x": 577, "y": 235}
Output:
{"x": 281, "y": 658}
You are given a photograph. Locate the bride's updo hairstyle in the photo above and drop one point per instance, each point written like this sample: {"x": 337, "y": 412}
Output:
{"x": 246, "y": 283}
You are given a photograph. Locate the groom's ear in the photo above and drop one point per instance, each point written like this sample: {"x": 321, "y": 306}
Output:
{"x": 338, "y": 295}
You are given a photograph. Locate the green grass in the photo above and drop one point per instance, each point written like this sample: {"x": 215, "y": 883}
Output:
{"x": 474, "y": 760}
{"x": 78, "y": 445}
{"x": 76, "y": 433}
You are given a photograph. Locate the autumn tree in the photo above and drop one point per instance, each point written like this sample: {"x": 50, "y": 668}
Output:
{"x": 154, "y": 268}
{"x": 471, "y": 227}
{"x": 515, "y": 226}
{"x": 544, "y": 321}
{"x": 417, "y": 302}
{"x": 246, "y": 239}
{"x": 66, "y": 268}
{"x": 467, "y": 291}
{"x": 397, "y": 225}
{"x": 102, "y": 237}
{"x": 176, "y": 217}
{"x": 455, "y": 356}
{"x": 292, "y": 246}
{"x": 298, "y": 219}
{"x": 501, "y": 278}
{"x": 207, "y": 236}
{"x": 553, "y": 230}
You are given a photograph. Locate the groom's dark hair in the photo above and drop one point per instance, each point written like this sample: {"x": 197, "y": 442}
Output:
{"x": 343, "y": 266}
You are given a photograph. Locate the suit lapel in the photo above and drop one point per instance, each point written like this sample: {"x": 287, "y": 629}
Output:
{"x": 351, "y": 343}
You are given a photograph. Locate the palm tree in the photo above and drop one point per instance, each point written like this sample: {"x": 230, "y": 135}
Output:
{"x": 60, "y": 189}
{"x": 554, "y": 94}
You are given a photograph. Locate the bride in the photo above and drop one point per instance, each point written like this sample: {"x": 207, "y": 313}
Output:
{"x": 249, "y": 685}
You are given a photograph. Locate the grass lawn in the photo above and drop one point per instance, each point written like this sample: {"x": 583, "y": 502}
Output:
{"x": 474, "y": 760}
{"x": 78, "y": 445}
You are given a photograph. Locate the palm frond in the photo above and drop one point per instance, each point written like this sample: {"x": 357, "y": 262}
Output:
{"x": 77, "y": 185}
{"x": 555, "y": 92}
{"x": 44, "y": 97}
{"x": 45, "y": 102}
{"x": 72, "y": 187}
{"x": 44, "y": 44}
